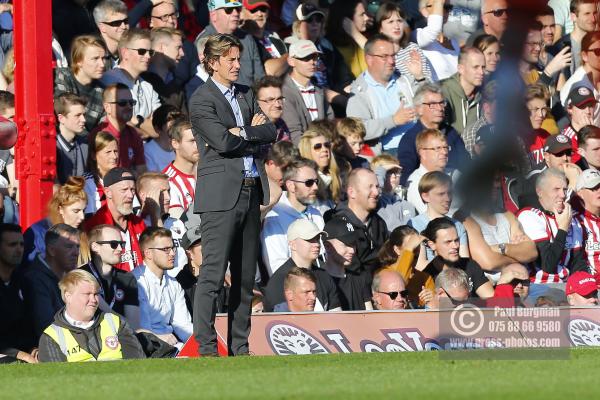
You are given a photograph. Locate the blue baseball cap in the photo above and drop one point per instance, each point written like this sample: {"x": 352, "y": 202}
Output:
{"x": 216, "y": 4}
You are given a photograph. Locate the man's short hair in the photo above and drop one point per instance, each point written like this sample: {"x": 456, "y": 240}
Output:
{"x": 78, "y": 47}
{"x": 147, "y": 178}
{"x": 110, "y": 91}
{"x": 291, "y": 278}
{"x": 427, "y": 87}
{"x": 535, "y": 26}
{"x": 586, "y": 133}
{"x": 6, "y": 227}
{"x": 378, "y": 37}
{"x": 545, "y": 11}
{"x": 105, "y": 7}
{"x": 163, "y": 115}
{"x": 353, "y": 176}
{"x": 540, "y": 181}
{"x": 589, "y": 39}
{"x": 574, "y": 6}
{"x": 452, "y": 278}
{"x": 131, "y": 35}
{"x": 351, "y": 126}
{"x": 427, "y": 134}
{"x": 219, "y": 45}
{"x": 537, "y": 91}
{"x": 267, "y": 81}
{"x": 64, "y": 101}
{"x": 96, "y": 233}
{"x": 57, "y": 232}
{"x": 7, "y": 100}
{"x": 177, "y": 128}
{"x": 282, "y": 153}
{"x": 152, "y": 233}
{"x": 383, "y": 159}
{"x": 74, "y": 278}
{"x": 465, "y": 52}
{"x": 433, "y": 179}
{"x": 291, "y": 171}
{"x": 435, "y": 225}
{"x": 164, "y": 34}
{"x": 376, "y": 284}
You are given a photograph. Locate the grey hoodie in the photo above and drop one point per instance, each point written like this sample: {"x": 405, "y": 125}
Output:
{"x": 460, "y": 112}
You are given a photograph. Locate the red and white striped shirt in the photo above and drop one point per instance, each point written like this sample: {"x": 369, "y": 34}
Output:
{"x": 540, "y": 227}
{"x": 571, "y": 134}
{"x": 182, "y": 187}
{"x": 591, "y": 237}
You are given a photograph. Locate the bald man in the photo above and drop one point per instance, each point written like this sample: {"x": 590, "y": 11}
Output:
{"x": 389, "y": 291}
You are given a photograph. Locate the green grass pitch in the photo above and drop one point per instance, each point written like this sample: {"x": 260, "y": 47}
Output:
{"x": 347, "y": 376}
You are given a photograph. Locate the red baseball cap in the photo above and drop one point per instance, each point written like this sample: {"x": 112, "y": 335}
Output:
{"x": 252, "y": 4}
{"x": 581, "y": 283}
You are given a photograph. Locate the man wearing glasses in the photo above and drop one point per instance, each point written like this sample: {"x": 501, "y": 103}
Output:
{"x": 305, "y": 99}
{"x": 389, "y": 291}
{"x": 430, "y": 106}
{"x": 162, "y": 301}
{"x": 300, "y": 182}
{"x": 382, "y": 97}
{"x": 494, "y": 16}
{"x": 112, "y": 21}
{"x": 271, "y": 101}
{"x": 118, "y": 289}
{"x": 225, "y": 18}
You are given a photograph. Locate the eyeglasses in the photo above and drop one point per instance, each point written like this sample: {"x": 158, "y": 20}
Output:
{"x": 595, "y": 51}
{"x": 142, "y": 52}
{"x": 394, "y": 295}
{"x": 534, "y": 44}
{"x": 383, "y": 56}
{"x": 312, "y": 57}
{"x": 117, "y": 23}
{"x": 308, "y": 183}
{"x": 167, "y": 17}
{"x": 319, "y": 146}
{"x": 123, "y": 103}
{"x": 499, "y": 12}
{"x": 261, "y": 8}
{"x": 113, "y": 243}
{"x": 315, "y": 19}
{"x": 434, "y": 104}
{"x": 271, "y": 100}
{"x": 453, "y": 300}
{"x": 229, "y": 10}
{"x": 164, "y": 249}
{"x": 438, "y": 148}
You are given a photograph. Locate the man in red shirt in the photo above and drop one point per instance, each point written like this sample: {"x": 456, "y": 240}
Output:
{"x": 118, "y": 104}
{"x": 119, "y": 187}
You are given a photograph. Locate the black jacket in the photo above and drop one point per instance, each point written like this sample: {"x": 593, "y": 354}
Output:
{"x": 16, "y": 331}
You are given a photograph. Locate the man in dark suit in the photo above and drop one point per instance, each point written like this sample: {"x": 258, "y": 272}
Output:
{"x": 229, "y": 130}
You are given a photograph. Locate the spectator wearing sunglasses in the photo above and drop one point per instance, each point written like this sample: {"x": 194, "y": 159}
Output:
{"x": 112, "y": 22}
{"x": 582, "y": 290}
{"x": 494, "y": 16}
{"x": 118, "y": 289}
{"x": 305, "y": 99}
{"x": 300, "y": 182}
{"x": 225, "y": 19}
{"x": 304, "y": 240}
{"x": 389, "y": 291}
{"x": 273, "y": 51}
{"x": 163, "y": 310}
{"x": 135, "y": 51}
{"x": 452, "y": 288}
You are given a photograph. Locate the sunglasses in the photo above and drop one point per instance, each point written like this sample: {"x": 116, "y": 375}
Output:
{"x": 308, "y": 183}
{"x": 142, "y": 52}
{"x": 567, "y": 153}
{"x": 113, "y": 243}
{"x": 319, "y": 146}
{"x": 312, "y": 57}
{"x": 499, "y": 12}
{"x": 453, "y": 300}
{"x": 595, "y": 51}
{"x": 117, "y": 23}
{"x": 261, "y": 8}
{"x": 123, "y": 103}
{"x": 394, "y": 295}
{"x": 229, "y": 10}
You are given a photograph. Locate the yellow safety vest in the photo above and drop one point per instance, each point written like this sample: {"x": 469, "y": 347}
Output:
{"x": 111, "y": 347}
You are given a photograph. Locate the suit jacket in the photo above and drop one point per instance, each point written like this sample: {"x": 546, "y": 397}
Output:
{"x": 295, "y": 113}
{"x": 221, "y": 166}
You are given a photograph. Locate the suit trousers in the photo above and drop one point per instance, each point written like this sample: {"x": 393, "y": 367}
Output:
{"x": 232, "y": 237}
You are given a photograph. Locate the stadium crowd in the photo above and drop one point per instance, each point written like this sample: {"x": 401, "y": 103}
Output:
{"x": 368, "y": 116}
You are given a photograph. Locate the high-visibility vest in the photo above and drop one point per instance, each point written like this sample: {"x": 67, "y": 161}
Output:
{"x": 111, "y": 347}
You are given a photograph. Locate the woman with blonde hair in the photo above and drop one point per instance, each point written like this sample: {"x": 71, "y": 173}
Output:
{"x": 66, "y": 206}
{"x": 316, "y": 146}
{"x": 103, "y": 155}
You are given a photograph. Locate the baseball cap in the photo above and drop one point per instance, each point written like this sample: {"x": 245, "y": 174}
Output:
{"x": 191, "y": 237}
{"x": 252, "y": 4}
{"x": 589, "y": 179}
{"x": 303, "y": 229}
{"x": 117, "y": 175}
{"x": 307, "y": 10}
{"x": 303, "y": 48}
{"x": 216, "y": 4}
{"x": 341, "y": 230}
{"x": 557, "y": 144}
{"x": 579, "y": 96}
{"x": 581, "y": 283}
